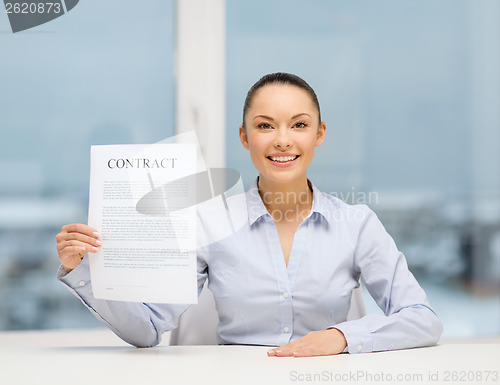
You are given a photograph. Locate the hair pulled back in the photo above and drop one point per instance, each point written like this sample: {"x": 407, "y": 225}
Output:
{"x": 279, "y": 78}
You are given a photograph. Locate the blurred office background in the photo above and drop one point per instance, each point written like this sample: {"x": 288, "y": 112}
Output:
{"x": 410, "y": 92}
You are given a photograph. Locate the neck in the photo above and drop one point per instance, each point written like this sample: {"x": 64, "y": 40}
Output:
{"x": 286, "y": 199}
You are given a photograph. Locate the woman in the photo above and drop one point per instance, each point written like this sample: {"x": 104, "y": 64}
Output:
{"x": 285, "y": 279}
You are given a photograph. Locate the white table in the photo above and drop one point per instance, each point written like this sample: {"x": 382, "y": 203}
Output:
{"x": 76, "y": 357}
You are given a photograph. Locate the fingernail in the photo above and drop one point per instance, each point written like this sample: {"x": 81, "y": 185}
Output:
{"x": 98, "y": 242}
{"x": 270, "y": 351}
{"x": 96, "y": 234}
{"x": 295, "y": 353}
{"x": 94, "y": 248}
{"x": 82, "y": 248}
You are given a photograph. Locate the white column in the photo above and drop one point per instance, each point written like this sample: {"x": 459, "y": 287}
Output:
{"x": 200, "y": 75}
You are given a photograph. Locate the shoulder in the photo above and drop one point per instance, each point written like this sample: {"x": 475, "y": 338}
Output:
{"x": 335, "y": 209}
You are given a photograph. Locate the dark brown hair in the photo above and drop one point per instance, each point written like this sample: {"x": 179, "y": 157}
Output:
{"x": 279, "y": 78}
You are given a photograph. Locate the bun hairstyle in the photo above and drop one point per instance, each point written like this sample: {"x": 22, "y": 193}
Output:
{"x": 279, "y": 78}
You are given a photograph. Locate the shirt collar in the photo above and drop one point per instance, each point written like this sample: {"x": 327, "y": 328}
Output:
{"x": 257, "y": 209}
{"x": 320, "y": 202}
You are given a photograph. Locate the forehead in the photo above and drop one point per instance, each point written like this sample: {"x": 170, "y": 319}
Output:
{"x": 282, "y": 96}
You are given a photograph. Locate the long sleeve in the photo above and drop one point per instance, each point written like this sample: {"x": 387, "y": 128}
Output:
{"x": 139, "y": 324}
{"x": 409, "y": 320}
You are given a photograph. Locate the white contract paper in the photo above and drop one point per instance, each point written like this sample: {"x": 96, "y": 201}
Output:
{"x": 144, "y": 257}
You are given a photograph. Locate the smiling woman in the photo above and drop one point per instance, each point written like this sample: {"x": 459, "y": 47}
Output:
{"x": 285, "y": 279}
{"x": 281, "y": 126}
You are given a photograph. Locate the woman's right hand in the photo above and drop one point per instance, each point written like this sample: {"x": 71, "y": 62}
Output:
{"x": 74, "y": 241}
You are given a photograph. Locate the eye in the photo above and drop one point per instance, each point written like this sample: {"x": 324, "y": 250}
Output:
{"x": 264, "y": 126}
{"x": 300, "y": 125}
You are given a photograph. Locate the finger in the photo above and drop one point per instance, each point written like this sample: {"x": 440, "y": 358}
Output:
{"x": 71, "y": 253}
{"x": 68, "y": 237}
{"x": 299, "y": 348}
{"x": 72, "y": 242}
{"x": 275, "y": 351}
{"x": 75, "y": 249}
{"x": 289, "y": 349}
{"x": 282, "y": 351}
{"x": 80, "y": 228}
{"x": 88, "y": 247}
{"x": 272, "y": 352}
{"x": 75, "y": 253}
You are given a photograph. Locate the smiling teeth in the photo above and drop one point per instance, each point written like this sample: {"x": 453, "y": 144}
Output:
{"x": 282, "y": 158}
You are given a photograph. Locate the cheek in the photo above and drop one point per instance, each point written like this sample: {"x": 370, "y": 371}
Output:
{"x": 256, "y": 143}
{"x": 256, "y": 154}
{"x": 309, "y": 144}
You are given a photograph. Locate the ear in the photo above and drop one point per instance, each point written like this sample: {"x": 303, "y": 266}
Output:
{"x": 244, "y": 137}
{"x": 320, "y": 137}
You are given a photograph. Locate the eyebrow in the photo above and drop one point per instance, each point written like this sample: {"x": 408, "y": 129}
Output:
{"x": 269, "y": 118}
{"x": 302, "y": 113}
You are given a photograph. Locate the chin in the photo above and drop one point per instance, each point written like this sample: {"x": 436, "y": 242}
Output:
{"x": 283, "y": 177}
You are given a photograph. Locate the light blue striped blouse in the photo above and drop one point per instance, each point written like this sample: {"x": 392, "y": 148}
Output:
{"x": 262, "y": 301}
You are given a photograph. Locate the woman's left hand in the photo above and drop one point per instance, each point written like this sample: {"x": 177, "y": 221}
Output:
{"x": 316, "y": 343}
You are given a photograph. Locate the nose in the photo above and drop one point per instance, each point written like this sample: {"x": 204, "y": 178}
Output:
{"x": 283, "y": 138}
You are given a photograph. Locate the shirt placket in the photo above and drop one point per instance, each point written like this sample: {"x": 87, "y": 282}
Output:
{"x": 285, "y": 277}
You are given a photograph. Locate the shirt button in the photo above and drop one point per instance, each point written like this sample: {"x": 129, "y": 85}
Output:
{"x": 81, "y": 283}
{"x": 285, "y": 294}
{"x": 286, "y": 329}
{"x": 359, "y": 348}
{"x": 391, "y": 346}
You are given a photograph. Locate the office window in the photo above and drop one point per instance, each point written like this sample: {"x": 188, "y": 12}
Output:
{"x": 410, "y": 93}
{"x": 101, "y": 74}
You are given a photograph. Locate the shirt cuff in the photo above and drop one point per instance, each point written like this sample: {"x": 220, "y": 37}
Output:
{"x": 357, "y": 335}
{"x": 61, "y": 272}
{"x": 78, "y": 279}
